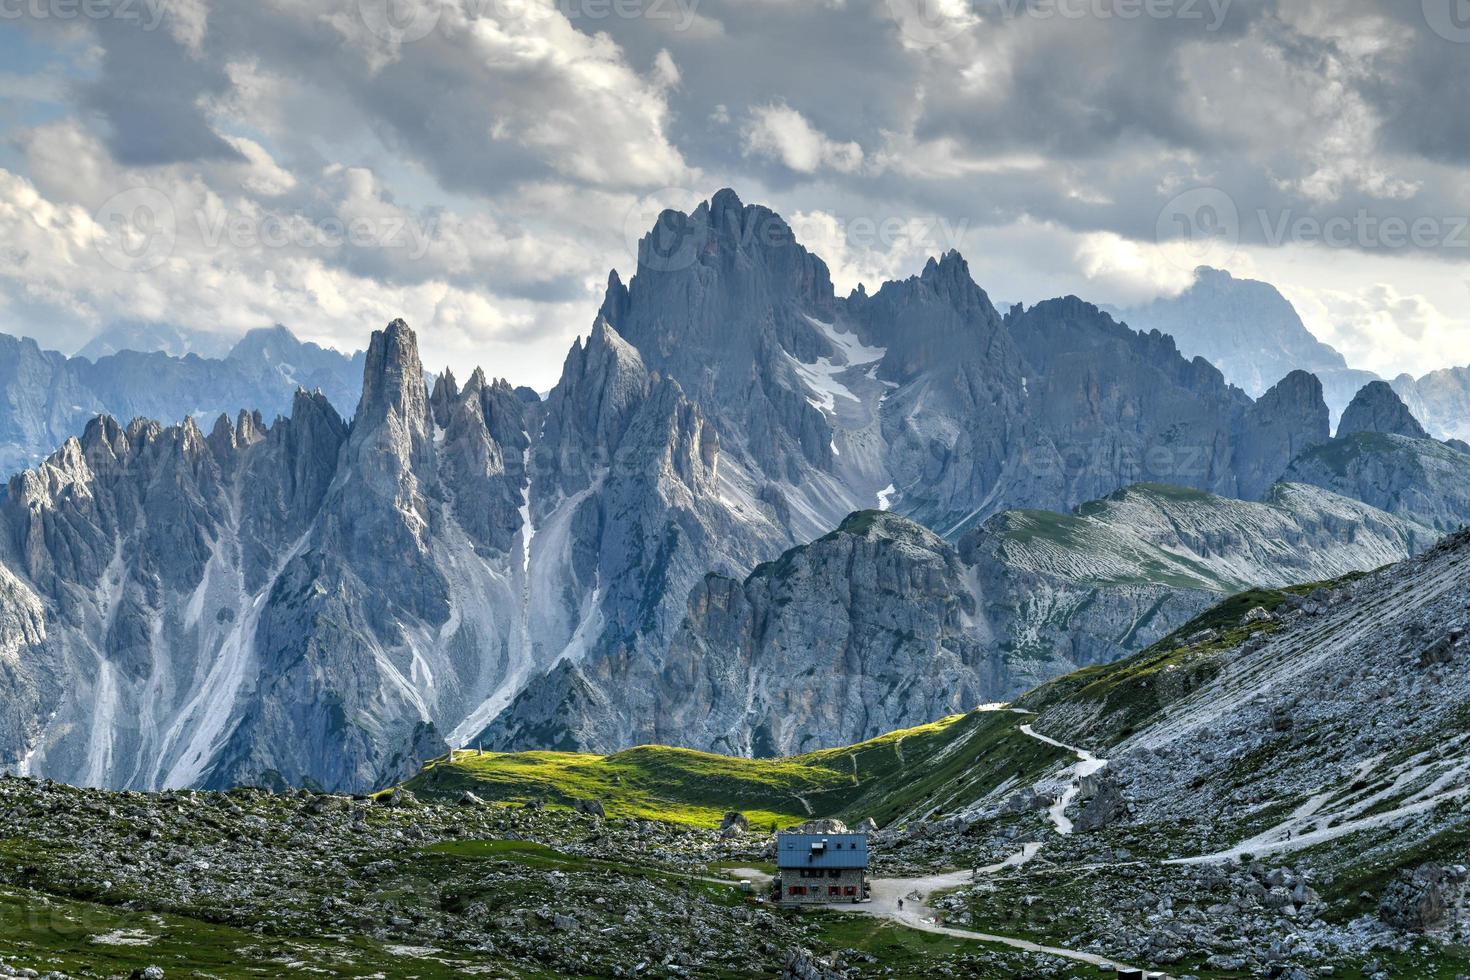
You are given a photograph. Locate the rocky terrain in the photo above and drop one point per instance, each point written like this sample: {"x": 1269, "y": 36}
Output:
{"x": 324, "y": 602}
{"x": 1383, "y": 456}
{"x": 882, "y": 623}
{"x": 1277, "y": 789}
{"x": 1441, "y": 399}
{"x": 49, "y": 398}
{"x": 245, "y": 883}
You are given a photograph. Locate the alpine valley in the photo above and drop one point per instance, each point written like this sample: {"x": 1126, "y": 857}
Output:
{"x": 1170, "y": 663}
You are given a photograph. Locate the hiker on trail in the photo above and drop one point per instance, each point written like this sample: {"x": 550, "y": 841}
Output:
{"x": 900, "y": 905}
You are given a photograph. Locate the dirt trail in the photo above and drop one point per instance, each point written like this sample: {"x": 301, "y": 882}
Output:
{"x": 916, "y": 913}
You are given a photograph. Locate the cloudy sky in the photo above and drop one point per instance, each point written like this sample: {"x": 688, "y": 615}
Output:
{"x": 477, "y": 166}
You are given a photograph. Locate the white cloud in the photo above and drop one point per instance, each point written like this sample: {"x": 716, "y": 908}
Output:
{"x": 781, "y": 133}
{"x": 1382, "y": 329}
{"x": 333, "y": 265}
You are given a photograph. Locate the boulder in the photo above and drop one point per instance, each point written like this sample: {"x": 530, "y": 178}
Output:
{"x": 592, "y": 808}
{"x": 1105, "y": 809}
{"x": 735, "y": 820}
{"x": 1416, "y": 901}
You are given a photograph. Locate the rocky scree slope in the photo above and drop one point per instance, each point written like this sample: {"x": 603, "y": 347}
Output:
{"x": 1330, "y": 727}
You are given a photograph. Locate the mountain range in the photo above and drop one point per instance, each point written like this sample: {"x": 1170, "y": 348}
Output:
{"x": 154, "y": 372}
{"x": 1254, "y": 336}
{"x": 649, "y": 552}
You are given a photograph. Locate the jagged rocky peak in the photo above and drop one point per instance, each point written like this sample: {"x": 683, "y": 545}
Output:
{"x": 1289, "y": 419}
{"x": 1378, "y": 408}
{"x": 393, "y": 378}
{"x": 445, "y": 394}
{"x": 603, "y": 381}
{"x": 935, "y": 321}
{"x": 949, "y": 276}
{"x": 615, "y": 300}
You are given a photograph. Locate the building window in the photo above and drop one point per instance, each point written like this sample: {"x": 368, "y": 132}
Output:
{"x": 796, "y": 890}
{"x": 850, "y": 890}
{"x": 834, "y": 891}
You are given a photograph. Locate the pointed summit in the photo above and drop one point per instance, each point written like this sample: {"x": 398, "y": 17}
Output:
{"x": 615, "y": 300}
{"x": 393, "y": 377}
{"x": 446, "y": 392}
{"x": 949, "y": 278}
{"x": 1378, "y": 408}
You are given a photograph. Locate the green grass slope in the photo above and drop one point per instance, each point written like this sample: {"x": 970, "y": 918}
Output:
{"x": 911, "y": 773}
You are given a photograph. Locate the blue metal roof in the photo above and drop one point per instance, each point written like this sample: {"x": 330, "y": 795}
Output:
{"x": 822, "y": 850}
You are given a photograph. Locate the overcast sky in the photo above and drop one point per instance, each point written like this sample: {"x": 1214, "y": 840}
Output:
{"x": 477, "y": 166}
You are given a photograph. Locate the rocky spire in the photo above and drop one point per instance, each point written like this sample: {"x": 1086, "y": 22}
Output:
{"x": 1378, "y": 408}
{"x": 393, "y": 379}
{"x": 1287, "y": 421}
{"x": 446, "y": 392}
{"x": 615, "y": 300}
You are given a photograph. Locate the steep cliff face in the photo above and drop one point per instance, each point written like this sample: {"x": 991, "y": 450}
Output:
{"x": 819, "y": 643}
{"x": 1285, "y": 422}
{"x": 726, "y": 302}
{"x": 298, "y": 602}
{"x": 1440, "y": 399}
{"x": 1384, "y": 457}
{"x": 326, "y": 603}
{"x": 1418, "y": 479}
{"x": 954, "y": 420}
{"x": 922, "y": 398}
{"x": 149, "y": 550}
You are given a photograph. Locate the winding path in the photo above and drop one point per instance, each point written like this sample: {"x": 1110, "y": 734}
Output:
{"x": 1087, "y": 764}
{"x": 915, "y": 893}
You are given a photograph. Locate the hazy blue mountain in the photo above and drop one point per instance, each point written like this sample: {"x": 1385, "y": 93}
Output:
{"x": 1250, "y": 332}
{"x": 147, "y": 338}
{"x": 48, "y": 397}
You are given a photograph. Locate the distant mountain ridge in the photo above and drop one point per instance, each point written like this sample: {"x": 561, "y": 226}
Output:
{"x": 49, "y": 398}
{"x": 164, "y": 338}
{"x": 1250, "y": 332}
